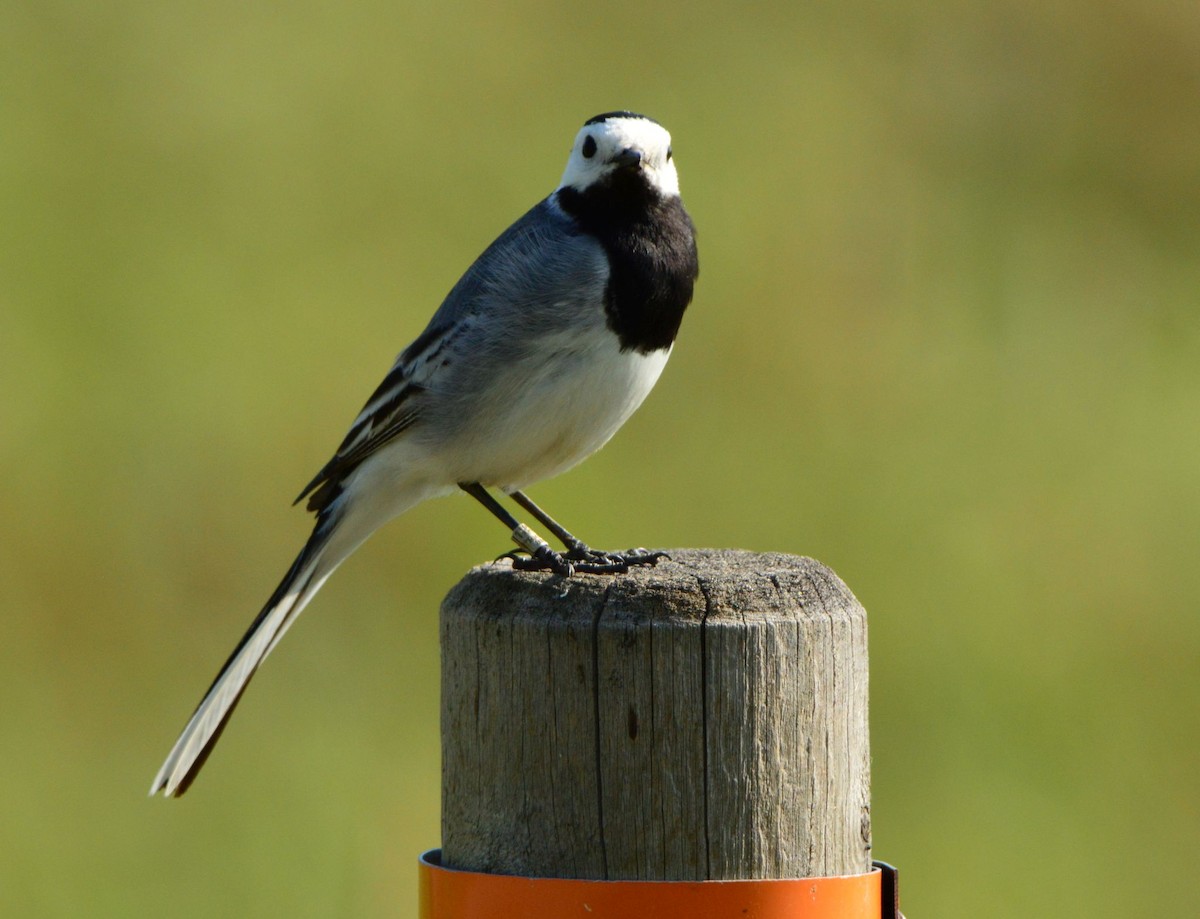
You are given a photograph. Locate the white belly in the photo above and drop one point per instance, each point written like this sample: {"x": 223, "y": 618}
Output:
{"x": 546, "y": 419}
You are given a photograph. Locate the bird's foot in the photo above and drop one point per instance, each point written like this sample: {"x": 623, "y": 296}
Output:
{"x": 598, "y": 562}
{"x": 541, "y": 559}
{"x": 582, "y": 558}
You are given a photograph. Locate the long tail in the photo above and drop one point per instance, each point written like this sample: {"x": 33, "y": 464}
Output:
{"x": 315, "y": 563}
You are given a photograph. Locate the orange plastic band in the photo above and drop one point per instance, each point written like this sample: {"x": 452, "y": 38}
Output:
{"x": 449, "y": 894}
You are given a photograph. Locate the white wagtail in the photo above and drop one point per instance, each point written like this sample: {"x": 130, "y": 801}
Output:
{"x": 546, "y": 345}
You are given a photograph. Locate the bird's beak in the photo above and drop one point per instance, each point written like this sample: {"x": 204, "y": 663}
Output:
{"x": 628, "y": 158}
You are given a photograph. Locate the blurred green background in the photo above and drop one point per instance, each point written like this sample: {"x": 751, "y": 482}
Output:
{"x": 945, "y": 340}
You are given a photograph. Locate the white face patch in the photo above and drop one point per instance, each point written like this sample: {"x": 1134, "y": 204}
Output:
{"x": 597, "y": 147}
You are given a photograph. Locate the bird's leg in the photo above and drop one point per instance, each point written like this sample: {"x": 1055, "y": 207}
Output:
{"x": 541, "y": 556}
{"x": 586, "y": 558}
{"x": 574, "y": 545}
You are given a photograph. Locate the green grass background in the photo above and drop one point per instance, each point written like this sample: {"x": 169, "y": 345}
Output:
{"x": 945, "y": 340}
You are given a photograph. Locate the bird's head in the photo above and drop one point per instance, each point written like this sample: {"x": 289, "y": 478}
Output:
{"x": 618, "y": 144}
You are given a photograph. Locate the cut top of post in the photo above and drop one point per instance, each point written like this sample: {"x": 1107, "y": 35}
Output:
{"x": 702, "y": 719}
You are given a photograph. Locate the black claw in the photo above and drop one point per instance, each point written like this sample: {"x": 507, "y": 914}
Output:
{"x": 595, "y": 561}
{"x": 609, "y": 565}
{"x": 544, "y": 559}
{"x": 583, "y": 559}
{"x": 643, "y": 557}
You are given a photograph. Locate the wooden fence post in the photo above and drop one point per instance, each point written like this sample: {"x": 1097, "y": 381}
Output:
{"x": 703, "y": 719}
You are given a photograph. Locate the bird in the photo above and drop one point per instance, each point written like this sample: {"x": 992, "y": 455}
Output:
{"x": 545, "y": 346}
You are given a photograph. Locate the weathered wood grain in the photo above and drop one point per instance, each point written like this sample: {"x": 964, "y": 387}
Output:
{"x": 704, "y": 719}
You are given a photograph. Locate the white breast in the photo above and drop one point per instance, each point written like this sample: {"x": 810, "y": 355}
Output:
{"x": 544, "y": 420}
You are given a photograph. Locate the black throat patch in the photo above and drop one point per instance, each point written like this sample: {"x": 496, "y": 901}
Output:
{"x": 651, "y": 247}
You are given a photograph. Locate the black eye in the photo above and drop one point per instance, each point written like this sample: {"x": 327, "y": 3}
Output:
{"x": 668, "y": 153}
{"x": 589, "y": 147}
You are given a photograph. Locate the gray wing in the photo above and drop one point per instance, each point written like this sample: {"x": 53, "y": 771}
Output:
{"x": 542, "y": 275}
